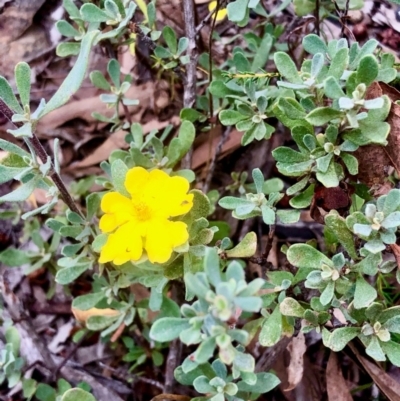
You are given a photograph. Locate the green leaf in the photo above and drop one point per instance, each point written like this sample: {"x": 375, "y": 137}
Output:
{"x": 246, "y": 248}
{"x": 168, "y": 328}
{"x": 186, "y": 136}
{"x": 12, "y": 257}
{"x": 332, "y": 176}
{"x": 98, "y": 322}
{"x": 66, "y": 29}
{"x": 303, "y": 199}
{"x": 314, "y": 44}
{"x": 230, "y": 117}
{"x": 205, "y": 351}
{"x": 368, "y": 70}
{"x": 12, "y": 337}
{"x": 290, "y": 307}
{"x": 364, "y": 294}
{"x": 68, "y": 274}
{"x": 99, "y": 81}
{"x": 339, "y": 63}
{"x": 211, "y": 266}
{"x": 392, "y": 350}
{"x": 170, "y": 39}
{"x": 92, "y": 13}
{"x": 350, "y": 162}
{"x": 287, "y": 68}
{"x": 271, "y": 330}
{"x": 288, "y": 216}
{"x": 77, "y": 394}
{"x": 392, "y": 202}
{"x": 88, "y": 301}
{"x": 322, "y": 115}
{"x": 287, "y": 155}
{"x": 265, "y": 383}
{"x": 339, "y": 338}
{"x": 7, "y": 95}
{"x": 23, "y": 82}
{"x": 304, "y": 255}
{"x": 220, "y": 89}
{"x": 258, "y": 179}
{"x": 237, "y": 10}
{"x": 332, "y": 88}
{"x": 71, "y": 9}
{"x": 291, "y": 108}
{"x": 22, "y": 193}
{"x": 118, "y": 172}
{"x": 92, "y": 205}
{"x": 76, "y": 76}
{"x": 66, "y": 49}
{"x": 262, "y": 55}
{"x": 338, "y": 225}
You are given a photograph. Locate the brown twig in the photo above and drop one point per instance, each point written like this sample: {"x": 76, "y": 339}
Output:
{"x": 175, "y": 348}
{"x": 317, "y": 20}
{"x": 71, "y": 353}
{"x": 189, "y": 94}
{"x": 43, "y": 156}
{"x": 213, "y": 163}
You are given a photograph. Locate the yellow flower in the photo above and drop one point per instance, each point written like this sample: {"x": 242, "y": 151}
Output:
{"x": 142, "y": 222}
{"x": 222, "y": 12}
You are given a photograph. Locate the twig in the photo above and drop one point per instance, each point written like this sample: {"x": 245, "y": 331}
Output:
{"x": 71, "y": 353}
{"x": 101, "y": 392}
{"x": 175, "y": 348}
{"x": 317, "y": 21}
{"x": 207, "y": 18}
{"x": 213, "y": 163}
{"x": 189, "y": 94}
{"x": 43, "y": 156}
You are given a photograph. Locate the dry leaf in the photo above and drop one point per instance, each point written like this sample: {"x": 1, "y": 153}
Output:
{"x": 335, "y": 382}
{"x": 381, "y": 157}
{"x": 83, "y": 315}
{"x": 296, "y": 348}
{"x": 389, "y": 386}
{"x": 83, "y": 109}
{"x": 117, "y": 141}
{"x": 205, "y": 152}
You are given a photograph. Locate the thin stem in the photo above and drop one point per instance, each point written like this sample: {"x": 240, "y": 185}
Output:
{"x": 317, "y": 21}
{"x": 189, "y": 95}
{"x": 43, "y": 156}
{"x": 218, "y": 149}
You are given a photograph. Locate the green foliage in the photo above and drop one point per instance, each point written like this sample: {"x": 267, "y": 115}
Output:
{"x": 327, "y": 108}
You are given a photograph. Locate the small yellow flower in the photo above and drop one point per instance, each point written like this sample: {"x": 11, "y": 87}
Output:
{"x": 142, "y": 222}
{"x": 222, "y": 12}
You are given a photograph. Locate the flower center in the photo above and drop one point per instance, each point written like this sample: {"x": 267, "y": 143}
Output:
{"x": 142, "y": 211}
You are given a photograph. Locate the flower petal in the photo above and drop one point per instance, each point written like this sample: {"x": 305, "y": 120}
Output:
{"x": 118, "y": 209}
{"x": 122, "y": 246}
{"x": 177, "y": 201}
{"x": 135, "y": 180}
{"x": 163, "y": 237}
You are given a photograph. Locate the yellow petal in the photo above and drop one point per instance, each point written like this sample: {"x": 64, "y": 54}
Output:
{"x": 114, "y": 202}
{"x": 163, "y": 237}
{"x": 122, "y": 246}
{"x": 222, "y": 12}
{"x": 118, "y": 209}
{"x": 177, "y": 201}
{"x": 135, "y": 180}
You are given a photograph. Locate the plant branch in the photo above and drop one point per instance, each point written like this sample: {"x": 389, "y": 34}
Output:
{"x": 43, "y": 156}
{"x": 189, "y": 95}
{"x": 213, "y": 163}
